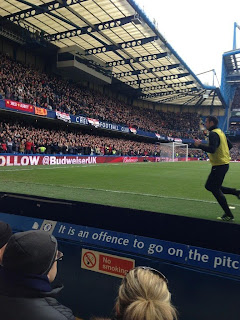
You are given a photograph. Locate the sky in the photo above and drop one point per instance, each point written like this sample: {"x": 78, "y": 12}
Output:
{"x": 199, "y": 31}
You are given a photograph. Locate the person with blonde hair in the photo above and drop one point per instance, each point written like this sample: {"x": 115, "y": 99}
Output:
{"x": 144, "y": 295}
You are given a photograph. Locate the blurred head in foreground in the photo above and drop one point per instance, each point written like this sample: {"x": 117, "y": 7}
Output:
{"x": 144, "y": 295}
{"x": 5, "y": 234}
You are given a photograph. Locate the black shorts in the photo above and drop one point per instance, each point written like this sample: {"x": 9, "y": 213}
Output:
{"x": 216, "y": 177}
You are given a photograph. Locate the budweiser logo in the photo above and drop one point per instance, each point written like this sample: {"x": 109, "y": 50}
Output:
{"x": 130, "y": 159}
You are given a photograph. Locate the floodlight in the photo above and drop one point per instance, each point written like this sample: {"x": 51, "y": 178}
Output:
{"x": 137, "y": 20}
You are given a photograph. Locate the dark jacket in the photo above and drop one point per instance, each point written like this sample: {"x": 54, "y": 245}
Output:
{"x": 29, "y": 297}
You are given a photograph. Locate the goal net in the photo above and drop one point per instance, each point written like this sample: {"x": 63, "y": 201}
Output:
{"x": 173, "y": 151}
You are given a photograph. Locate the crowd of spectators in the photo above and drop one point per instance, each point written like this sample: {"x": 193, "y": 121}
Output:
{"x": 197, "y": 153}
{"x": 26, "y": 84}
{"x": 19, "y": 138}
{"x": 234, "y": 127}
{"x": 23, "y": 138}
{"x": 235, "y": 151}
{"x": 236, "y": 108}
{"x": 236, "y": 99}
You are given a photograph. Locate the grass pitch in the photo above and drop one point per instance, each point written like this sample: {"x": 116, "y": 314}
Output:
{"x": 174, "y": 188}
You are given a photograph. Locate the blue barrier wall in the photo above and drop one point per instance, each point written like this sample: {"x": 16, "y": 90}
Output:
{"x": 196, "y": 294}
{"x": 199, "y": 290}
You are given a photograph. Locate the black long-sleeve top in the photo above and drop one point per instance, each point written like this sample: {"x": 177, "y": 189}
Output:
{"x": 214, "y": 142}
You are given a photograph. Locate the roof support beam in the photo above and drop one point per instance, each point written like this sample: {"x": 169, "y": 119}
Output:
{"x": 236, "y": 64}
{"x": 88, "y": 29}
{"x": 214, "y": 95}
{"x": 44, "y": 10}
{"x": 145, "y": 71}
{"x": 200, "y": 100}
{"x": 174, "y": 85}
{"x": 171, "y": 98}
{"x": 191, "y": 100}
{"x": 123, "y": 45}
{"x": 36, "y": 10}
{"x": 149, "y": 80}
{"x": 137, "y": 60}
{"x": 168, "y": 93}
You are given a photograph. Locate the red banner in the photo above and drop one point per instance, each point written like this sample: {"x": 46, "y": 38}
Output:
{"x": 93, "y": 122}
{"x": 40, "y": 111}
{"x": 35, "y": 160}
{"x": 19, "y": 106}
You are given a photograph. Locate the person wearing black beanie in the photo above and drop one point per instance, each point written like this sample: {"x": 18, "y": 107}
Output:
{"x": 5, "y": 234}
{"x": 29, "y": 265}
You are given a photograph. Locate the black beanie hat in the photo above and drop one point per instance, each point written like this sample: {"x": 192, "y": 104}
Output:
{"x": 5, "y": 233}
{"x": 32, "y": 252}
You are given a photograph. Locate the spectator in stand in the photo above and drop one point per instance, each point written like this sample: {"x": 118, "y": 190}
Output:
{"x": 9, "y": 145}
{"x": 22, "y": 146}
{"x": 41, "y": 149}
{"x": 3, "y": 147}
{"x": 2, "y": 93}
{"x": 28, "y": 146}
{"x": 29, "y": 266}
{"x": 5, "y": 234}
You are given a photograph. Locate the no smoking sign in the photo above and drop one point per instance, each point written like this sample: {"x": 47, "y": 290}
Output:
{"x": 106, "y": 263}
{"x": 89, "y": 259}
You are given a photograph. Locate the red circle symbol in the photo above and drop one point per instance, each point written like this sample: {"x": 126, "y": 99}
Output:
{"x": 89, "y": 259}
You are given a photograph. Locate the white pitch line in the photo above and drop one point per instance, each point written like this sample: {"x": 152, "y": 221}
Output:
{"x": 70, "y": 166}
{"x": 45, "y": 168}
{"x": 125, "y": 192}
{"x": 60, "y": 167}
{"x": 85, "y": 166}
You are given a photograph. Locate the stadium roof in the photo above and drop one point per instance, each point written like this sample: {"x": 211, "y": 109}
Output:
{"x": 232, "y": 64}
{"x": 120, "y": 35}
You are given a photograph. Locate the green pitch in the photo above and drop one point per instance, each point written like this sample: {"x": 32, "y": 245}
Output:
{"x": 175, "y": 188}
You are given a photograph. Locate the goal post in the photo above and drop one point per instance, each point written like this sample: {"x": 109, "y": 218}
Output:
{"x": 173, "y": 151}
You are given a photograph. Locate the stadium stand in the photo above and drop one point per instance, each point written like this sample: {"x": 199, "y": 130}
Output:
{"x": 53, "y": 93}
{"x": 231, "y": 90}
{"x": 235, "y": 151}
{"x": 15, "y": 138}
{"x": 235, "y": 127}
{"x": 234, "y": 121}
{"x": 236, "y": 99}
